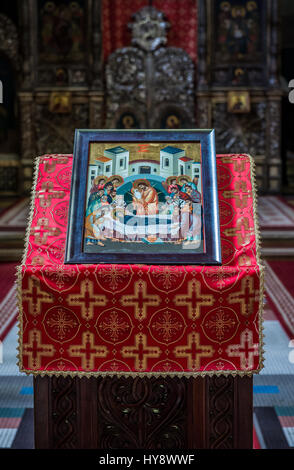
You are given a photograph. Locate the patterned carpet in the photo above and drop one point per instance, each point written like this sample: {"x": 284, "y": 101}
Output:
{"x": 14, "y": 217}
{"x": 275, "y": 213}
{"x": 273, "y": 388}
{"x": 276, "y": 218}
{"x": 16, "y": 400}
{"x": 13, "y": 221}
{"x": 16, "y": 392}
{"x": 8, "y": 308}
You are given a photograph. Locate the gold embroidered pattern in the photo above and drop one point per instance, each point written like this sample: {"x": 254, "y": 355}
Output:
{"x": 242, "y": 231}
{"x": 220, "y": 324}
{"x": 194, "y": 300}
{"x": 166, "y": 278}
{"x": 219, "y": 276}
{"x": 61, "y": 324}
{"x": 114, "y": 325}
{"x": 140, "y": 300}
{"x": 246, "y": 297}
{"x": 35, "y": 296}
{"x": 193, "y": 351}
{"x": 167, "y": 326}
{"x": 225, "y": 367}
{"x": 87, "y": 300}
{"x": 34, "y": 349}
{"x": 87, "y": 351}
{"x": 46, "y": 194}
{"x": 61, "y": 276}
{"x": 240, "y": 198}
{"x": 113, "y": 278}
{"x": 42, "y": 231}
{"x": 246, "y": 350}
{"x": 140, "y": 352}
{"x": 244, "y": 260}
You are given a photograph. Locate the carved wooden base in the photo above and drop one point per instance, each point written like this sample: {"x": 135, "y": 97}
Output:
{"x": 143, "y": 413}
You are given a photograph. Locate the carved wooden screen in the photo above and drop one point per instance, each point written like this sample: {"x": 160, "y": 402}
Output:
{"x": 150, "y": 85}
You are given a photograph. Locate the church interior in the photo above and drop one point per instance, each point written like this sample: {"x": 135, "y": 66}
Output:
{"x": 143, "y": 64}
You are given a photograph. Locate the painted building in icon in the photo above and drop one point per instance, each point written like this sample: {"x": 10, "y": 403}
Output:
{"x": 196, "y": 173}
{"x": 103, "y": 166}
{"x": 144, "y": 167}
{"x": 120, "y": 160}
{"x": 169, "y": 161}
{"x": 92, "y": 173}
{"x": 116, "y": 161}
{"x": 185, "y": 166}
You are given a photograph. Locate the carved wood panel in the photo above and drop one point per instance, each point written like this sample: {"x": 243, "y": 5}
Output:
{"x": 64, "y": 411}
{"x": 143, "y": 413}
{"x": 221, "y": 410}
{"x": 151, "y": 84}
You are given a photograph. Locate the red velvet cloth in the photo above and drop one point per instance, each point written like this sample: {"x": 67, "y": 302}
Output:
{"x": 140, "y": 318}
{"x": 181, "y": 14}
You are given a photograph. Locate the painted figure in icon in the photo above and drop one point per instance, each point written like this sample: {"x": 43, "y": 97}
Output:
{"x": 94, "y": 228}
{"x": 177, "y": 217}
{"x": 145, "y": 198}
{"x": 238, "y": 30}
{"x": 102, "y": 201}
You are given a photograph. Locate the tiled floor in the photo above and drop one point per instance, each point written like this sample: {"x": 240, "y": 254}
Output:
{"x": 16, "y": 398}
{"x": 274, "y": 390}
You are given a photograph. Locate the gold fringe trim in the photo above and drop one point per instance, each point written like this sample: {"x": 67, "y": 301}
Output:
{"x": 184, "y": 374}
{"x": 19, "y": 268}
{"x": 259, "y": 263}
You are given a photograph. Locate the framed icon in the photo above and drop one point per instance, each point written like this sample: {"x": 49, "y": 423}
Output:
{"x": 239, "y": 102}
{"x": 60, "y": 102}
{"x": 140, "y": 196}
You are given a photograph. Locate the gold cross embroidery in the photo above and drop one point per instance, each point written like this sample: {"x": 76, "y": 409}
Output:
{"x": 140, "y": 352}
{"x": 87, "y": 299}
{"x": 240, "y": 198}
{"x": 35, "y": 296}
{"x": 245, "y": 351}
{"x": 50, "y": 163}
{"x": 242, "y": 231}
{"x": 246, "y": 297}
{"x": 42, "y": 231}
{"x": 46, "y": 194}
{"x": 244, "y": 260}
{"x": 140, "y": 300}
{"x": 239, "y": 164}
{"x": 194, "y": 300}
{"x": 34, "y": 349}
{"x": 88, "y": 351}
{"x": 193, "y": 351}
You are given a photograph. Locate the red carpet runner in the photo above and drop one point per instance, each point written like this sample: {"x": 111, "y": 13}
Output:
{"x": 8, "y": 307}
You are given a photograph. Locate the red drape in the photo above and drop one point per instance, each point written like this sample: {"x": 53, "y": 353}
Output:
{"x": 181, "y": 14}
{"x": 136, "y": 319}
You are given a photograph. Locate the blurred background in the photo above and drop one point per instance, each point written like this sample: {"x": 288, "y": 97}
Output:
{"x": 161, "y": 64}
